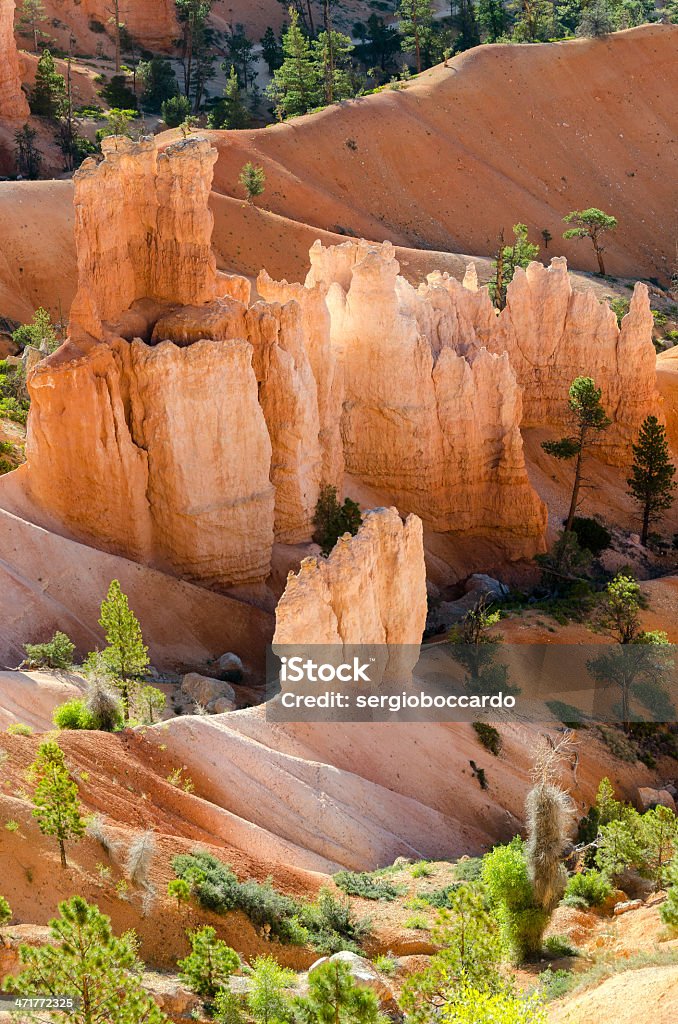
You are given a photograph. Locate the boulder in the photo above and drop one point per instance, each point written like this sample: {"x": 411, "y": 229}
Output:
{"x": 178, "y": 1002}
{"x": 205, "y": 690}
{"x": 623, "y": 908}
{"x": 220, "y": 706}
{"x": 365, "y": 975}
{"x": 648, "y": 798}
{"x": 231, "y": 667}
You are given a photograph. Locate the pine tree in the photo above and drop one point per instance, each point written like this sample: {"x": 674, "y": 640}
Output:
{"x": 126, "y": 656}
{"x": 271, "y": 50}
{"x": 268, "y": 996}
{"x": 28, "y": 157}
{"x": 415, "y": 19}
{"x": 335, "y": 998}
{"x": 651, "y": 483}
{"x": 296, "y": 87}
{"x": 31, "y": 19}
{"x": 589, "y": 420}
{"x": 231, "y": 111}
{"x": 55, "y": 798}
{"x": 509, "y": 258}
{"x": 333, "y": 520}
{"x": 492, "y": 19}
{"x": 332, "y": 53}
{"x": 49, "y": 92}
{"x": 192, "y": 15}
{"x": 466, "y": 23}
{"x": 86, "y": 960}
{"x": 253, "y": 181}
{"x": 210, "y": 963}
{"x": 591, "y": 223}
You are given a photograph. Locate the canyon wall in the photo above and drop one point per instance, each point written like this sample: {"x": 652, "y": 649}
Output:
{"x": 553, "y": 334}
{"x": 143, "y": 229}
{"x": 428, "y": 419}
{"x": 371, "y": 589}
{"x": 13, "y": 103}
{"x": 151, "y": 23}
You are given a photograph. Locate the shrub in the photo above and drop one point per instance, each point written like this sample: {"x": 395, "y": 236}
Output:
{"x": 440, "y": 898}
{"x": 332, "y": 924}
{"x": 214, "y": 885}
{"x": 73, "y": 715}
{"x": 669, "y": 910}
{"x": 362, "y": 883}
{"x": 57, "y": 653}
{"x": 140, "y": 857}
{"x": 19, "y": 729}
{"x": 509, "y": 890}
{"x": 587, "y": 888}
{"x": 489, "y": 737}
{"x": 473, "y": 1006}
{"x": 559, "y": 945}
{"x": 555, "y": 984}
{"x": 175, "y": 110}
{"x": 118, "y": 94}
{"x": 210, "y": 963}
{"x": 104, "y": 706}
{"x": 417, "y": 922}
{"x": 591, "y": 534}
{"x": 422, "y": 869}
{"x": 469, "y": 870}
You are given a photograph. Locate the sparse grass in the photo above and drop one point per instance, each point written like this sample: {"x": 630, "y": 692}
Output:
{"x": 12, "y": 826}
{"x": 422, "y": 869}
{"x": 554, "y": 984}
{"x": 385, "y": 964}
{"x": 177, "y": 778}
{"x": 468, "y": 870}
{"x": 610, "y": 964}
{"x": 417, "y": 922}
{"x": 365, "y": 885}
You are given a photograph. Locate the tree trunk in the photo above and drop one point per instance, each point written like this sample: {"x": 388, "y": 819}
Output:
{"x": 575, "y": 492}
{"x": 62, "y": 851}
{"x": 599, "y": 254}
{"x": 646, "y": 524}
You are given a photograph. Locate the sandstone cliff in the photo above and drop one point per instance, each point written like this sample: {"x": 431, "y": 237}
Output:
{"x": 194, "y": 419}
{"x": 142, "y": 229}
{"x": 370, "y": 590}
{"x": 553, "y": 334}
{"x": 151, "y": 23}
{"x": 429, "y": 418}
{"x": 13, "y": 103}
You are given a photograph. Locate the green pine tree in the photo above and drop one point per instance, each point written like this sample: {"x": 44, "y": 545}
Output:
{"x": 271, "y": 50}
{"x": 55, "y": 797}
{"x": 509, "y": 258}
{"x": 335, "y": 998}
{"x": 126, "y": 656}
{"x": 591, "y": 223}
{"x": 333, "y": 520}
{"x": 651, "y": 483}
{"x": 296, "y": 87}
{"x": 491, "y": 19}
{"x": 268, "y": 999}
{"x": 415, "y": 18}
{"x": 84, "y": 959}
{"x": 49, "y": 92}
{"x": 332, "y": 54}
{"x": 253, "y": 180}
{"x": 231, "y": 111}
{"x": 210, "y": 963}
{"x": 5, "y": 915}
{"x": 589, "y": 420}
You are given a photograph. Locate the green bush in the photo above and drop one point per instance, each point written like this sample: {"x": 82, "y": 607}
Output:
{"x": 555, "y": 984}
{"x": 489, "y": 737}
{"x": 19, "y": 729}
{"x": 175, "y": 110}
{"x": 118, "y": 94}
{"x": 441, "y": 899}
{"x": 591, "y": 534}
{"x": 365, "y": 885}
{"x": 57, "y": 653}
{"x": 559, "y": 945}
{"x": 588, "y": 888}
{"x": 509, "y": 890}
{"x": 328, "y": 924}
{"x": 74, "y": 714}
{"x": 669, "y": 910}
{"x": 469, "y": 870}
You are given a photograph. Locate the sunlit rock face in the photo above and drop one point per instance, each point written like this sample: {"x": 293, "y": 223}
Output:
{"x": 13, "y": 103}
{"x": 371, "y": 589}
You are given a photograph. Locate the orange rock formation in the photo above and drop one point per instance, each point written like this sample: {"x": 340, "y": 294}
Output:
{"x": 371, "y": 589}
{"x": 13, "y": 103}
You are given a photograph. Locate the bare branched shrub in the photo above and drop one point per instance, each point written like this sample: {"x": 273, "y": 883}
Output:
{"x": 148, "y": 898}
{"x": 550, "y": 813}
{"x": 103, "y": 704}
{"x": 140, "y": 857}
{"x": 96, "y": 829}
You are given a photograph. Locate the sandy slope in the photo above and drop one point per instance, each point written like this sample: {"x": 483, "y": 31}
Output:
{"x": 646, "y": 996}
{"x": 505, "y": 133}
